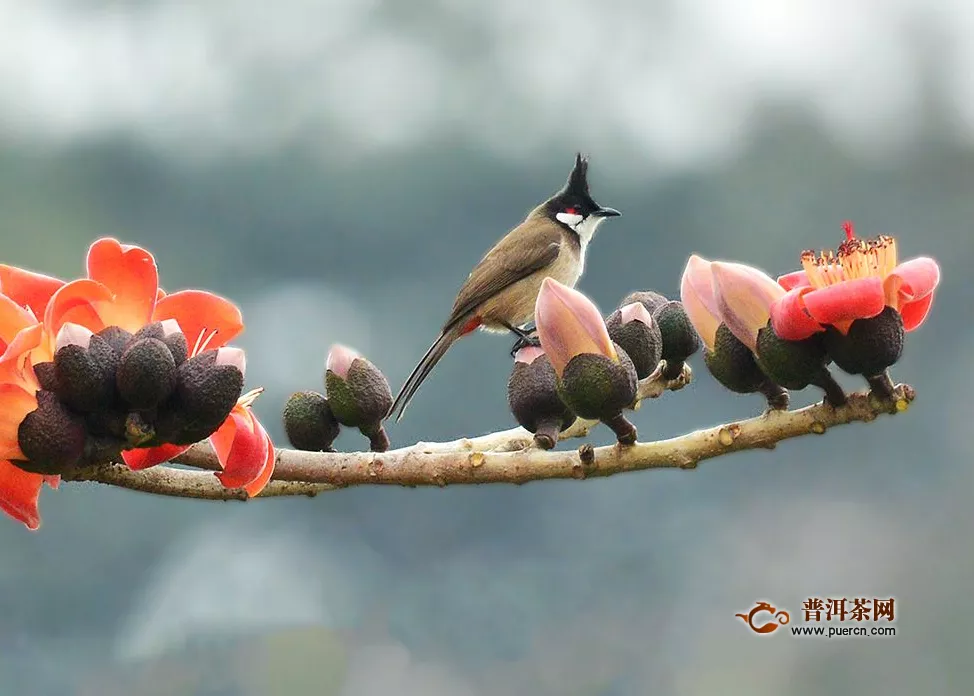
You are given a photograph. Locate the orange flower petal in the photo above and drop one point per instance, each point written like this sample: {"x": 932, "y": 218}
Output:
{"x": 795, "y": 279}
{"x": 15, "y": 403}
{"x": 198, "y": 312}
{"x": 848, "y": 300}
{"x": 222, "y": 439}
{"x": 28, "y": 289}
{"x": 130, "y": 274}
{"x": 789, "y": 318}
{"x": 27, "y": 340}
{"x": 13, "y": 318}
{"x": 910, "y": 281}
{"x": 138, "y": 459}
{"x": 77, "y": 302}
{"x": 19, "y": 491}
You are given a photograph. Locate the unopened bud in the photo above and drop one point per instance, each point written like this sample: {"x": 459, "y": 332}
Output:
{"x": 51, "y": 437}
{"x": 309, "y": 423}
{"x": 146, "y": 373}
{"x": 680, "y": 339}
{"x": 733, "y": 365}
{"x": 361, "y": 398}
{"x": 597, "y": 387}
{"x": 84, "y": 372}
{"x": 532, "y": 395}
{"x": 633, "y": 328}
{"x": 870, "y": 346}
{"x": 797, "y": 364}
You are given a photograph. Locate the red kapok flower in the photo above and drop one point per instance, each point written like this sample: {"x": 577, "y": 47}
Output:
{"x": 857, "y": 281}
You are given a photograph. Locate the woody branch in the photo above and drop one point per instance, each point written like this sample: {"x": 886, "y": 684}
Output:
{"x": 502, "y": 457}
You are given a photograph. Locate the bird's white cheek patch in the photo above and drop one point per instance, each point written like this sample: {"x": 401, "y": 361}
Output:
{"x": 569, "y": 219}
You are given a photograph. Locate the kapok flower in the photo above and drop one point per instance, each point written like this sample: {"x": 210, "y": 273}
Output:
{"x": 594, "y": 379}
{"x": 857, "y": 281}
{"x": 570, "y": 325}
{"x": 242, "y": 446}
{"x": 358, "y": 393}
{"x": 19, "y": 489}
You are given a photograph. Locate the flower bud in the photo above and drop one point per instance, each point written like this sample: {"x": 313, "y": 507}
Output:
{"x": 680, "y": 340}
{"x": 207, "y": 388}
{"x": 46, "y": 374}
{"x": 869, "y": 346}
{"x": 117, "y": 337}
{"x": 797, "y": 364}
{"x": 168, "y": 332}
{"x": 146, "y": 373}
{"x": 733, "y": 365}
{"x": 532, "y": 395}
{"x": 85, "y": 368}
{"x": 632, "y": 327}
{"x": 596, "y": 379}
{"x": 358, "y": 393}
{"x": 309, "y": 423}
{"x": 647, "y": 298}
{"x": 51, "y": 437}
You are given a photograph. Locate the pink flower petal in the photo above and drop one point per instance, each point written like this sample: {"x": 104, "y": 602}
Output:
{"x": 19, "y": 492}
{"x": 915, "y": 312}
{"x": 795, "y": 279}
{"x": 28, "y": 289}
{"x": 744, "y": 296}
{"x": 697, "y": 296}
{"x": 846, "y": 301}
{"x": 340, "y": 359}
{"x": 910, "y": 281}
{"x": 130, "y": 274}
{"x": 636, "y": 311}
{"x": 528, "y": 354}
{"x": 569, "y": 324}
{"x": 138, "y": 459}
{"x": 789, "y": 319}
{"x": 201, "y": 313}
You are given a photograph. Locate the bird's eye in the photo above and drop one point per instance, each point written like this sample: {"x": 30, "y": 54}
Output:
{"x": 570, "y": 211}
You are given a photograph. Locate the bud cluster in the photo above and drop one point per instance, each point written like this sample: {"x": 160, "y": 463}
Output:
{"x": 589, "y": 367}
{"x": 110, "y": 391}
{"x": 358, "y": 396}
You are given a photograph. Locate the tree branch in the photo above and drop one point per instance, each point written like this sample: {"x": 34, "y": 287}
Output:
{"x": 473, "y": 461}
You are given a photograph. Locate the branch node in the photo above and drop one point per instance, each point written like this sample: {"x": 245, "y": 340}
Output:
{"x": 476, "y": 459}
{"x": 728, "y": 434}
{"x": 817, "y": 427}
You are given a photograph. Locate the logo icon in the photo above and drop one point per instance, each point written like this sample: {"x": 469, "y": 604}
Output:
{"x": 780, "y": 618}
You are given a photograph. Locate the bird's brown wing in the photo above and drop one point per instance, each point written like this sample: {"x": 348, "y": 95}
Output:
{"x": 515, "y": 257}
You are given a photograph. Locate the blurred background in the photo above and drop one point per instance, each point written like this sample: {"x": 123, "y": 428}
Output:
{"x": 337, "y": 167}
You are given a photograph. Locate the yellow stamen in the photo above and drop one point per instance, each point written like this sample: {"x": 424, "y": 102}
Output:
{"x": 247, "y": 400}
{"x": 855, "y": 258}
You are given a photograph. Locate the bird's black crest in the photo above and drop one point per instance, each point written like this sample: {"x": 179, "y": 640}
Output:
{"x": 577, "y": 183}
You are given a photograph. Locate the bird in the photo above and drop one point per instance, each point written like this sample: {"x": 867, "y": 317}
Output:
{"x": 500, "y": 293}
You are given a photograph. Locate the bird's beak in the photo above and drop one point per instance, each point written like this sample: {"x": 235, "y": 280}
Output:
{"x": 606, "y": 212}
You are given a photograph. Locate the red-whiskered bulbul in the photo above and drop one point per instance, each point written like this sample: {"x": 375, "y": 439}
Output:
{"x": 500, "y": 293}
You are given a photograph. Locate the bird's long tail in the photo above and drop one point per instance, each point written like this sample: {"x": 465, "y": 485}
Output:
{"x": 436, "y": 351}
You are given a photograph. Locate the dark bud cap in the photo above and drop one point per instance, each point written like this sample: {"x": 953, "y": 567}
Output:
{"x": 792, "y": 364}
{"x": 732, "y": 363}
{"x": 117, "y": 337}
{"x": 362, "y": 398}
{"x": 51, "y": 437}
{"x": 532, "y": 395}
{"x": 597, "y": 387}
{"x": 85, "y": 366}
{"x": 168, "y": 332}
{"x": 208, "y": 386}
{"x": 633, "y": 328}
{"x": 680, "y": 339}
{"x": 46, "y": 374}
{"x": 647, "y": 298}
{"x": 309, "y": 423}
{"x": 146, "y": 373}
{"x": 870, "y": 346}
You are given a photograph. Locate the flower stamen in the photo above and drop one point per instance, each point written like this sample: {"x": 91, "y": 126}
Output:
{"x": 855, "y": 258}
{"x": 247, "y": 400}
